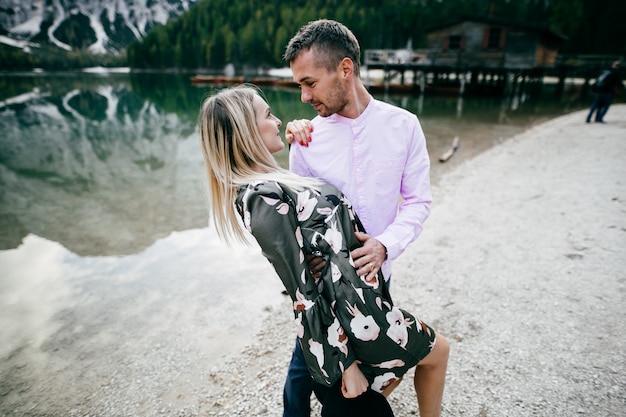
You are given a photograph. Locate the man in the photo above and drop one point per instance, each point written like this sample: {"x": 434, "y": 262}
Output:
{"x": 605, "y": 88}
{"x": 372, "y": 151}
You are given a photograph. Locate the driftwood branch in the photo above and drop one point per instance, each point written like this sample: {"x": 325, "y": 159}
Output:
{"x": 448, "y": 154}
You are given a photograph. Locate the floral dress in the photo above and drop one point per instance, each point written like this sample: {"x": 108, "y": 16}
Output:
{"x": 340, "y": 317}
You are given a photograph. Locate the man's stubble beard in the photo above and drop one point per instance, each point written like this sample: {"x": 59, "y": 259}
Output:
{"x": 336, "y": 100}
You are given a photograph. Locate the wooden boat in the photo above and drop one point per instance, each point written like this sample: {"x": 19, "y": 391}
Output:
{"x": 216, "y": 80}
{"x": 224, "y": 80}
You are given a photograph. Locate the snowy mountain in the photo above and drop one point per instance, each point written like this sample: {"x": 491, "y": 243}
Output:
{"x": 97, "y": 25}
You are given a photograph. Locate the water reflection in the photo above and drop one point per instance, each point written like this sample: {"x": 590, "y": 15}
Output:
{"x": 96, "y": 167}
{"x": 41, "y": 278}
{"x": 106, "y": 165}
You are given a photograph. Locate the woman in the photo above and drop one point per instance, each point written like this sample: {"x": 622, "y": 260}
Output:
{"x": 352, "y": 335}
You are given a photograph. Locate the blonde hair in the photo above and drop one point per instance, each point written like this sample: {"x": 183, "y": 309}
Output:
{"x": 235, "y": 155}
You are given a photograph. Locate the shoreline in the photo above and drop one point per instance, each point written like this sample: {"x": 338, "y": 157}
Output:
{"x": 521, "y": 274}
{"x": 481, "y": 296}
{"x": 518, "y": 267}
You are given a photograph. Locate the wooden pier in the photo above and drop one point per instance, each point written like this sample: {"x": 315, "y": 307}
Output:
{"x": 419, "y": 71}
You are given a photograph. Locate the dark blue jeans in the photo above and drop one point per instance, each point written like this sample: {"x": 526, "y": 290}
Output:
{"x": 600, "y": 105}
{"x": 298, "y": 386}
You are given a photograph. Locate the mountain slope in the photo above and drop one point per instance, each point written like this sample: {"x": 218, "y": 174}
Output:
{"x": 99, "y": 26}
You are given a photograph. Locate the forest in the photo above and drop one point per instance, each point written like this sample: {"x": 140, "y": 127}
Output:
{"x": 252, "y": 34}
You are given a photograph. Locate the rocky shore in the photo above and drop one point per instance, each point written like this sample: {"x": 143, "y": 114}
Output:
{"x": 522, "y": 266}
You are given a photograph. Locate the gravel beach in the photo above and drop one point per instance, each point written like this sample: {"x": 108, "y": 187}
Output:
{"x": 522, "y": 266}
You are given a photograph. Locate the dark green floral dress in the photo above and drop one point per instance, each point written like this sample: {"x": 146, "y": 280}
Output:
{"x": 340, "y": 318}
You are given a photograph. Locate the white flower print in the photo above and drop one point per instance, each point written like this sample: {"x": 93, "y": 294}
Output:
{"x": 299, "y": 326}
{"x": 305, "y": 205}
{"x": 282, "y": 208}
{"x": 335, "y": 272}
{"x": 374, "y": 282}
{"x": 317, "y": 350}
{"x": 382, "y": 381}
{"x": 348, "y": 206}
{"x": 314, "y": 238}
{"x": 394, "y": 363}
{"x": 325, "y": 211}
{"x": 363, "y": 327}
{"x": 299, "y": 237}
{"x": 333, "y": 237}
{"x": 246, "y": 213}
{"x": 398, "y": 327}
{"x": 269, "y": 200}
{"x": 337, "y": 337}
{"x": 301, "y": 302}
{"x": 246, "y": 221}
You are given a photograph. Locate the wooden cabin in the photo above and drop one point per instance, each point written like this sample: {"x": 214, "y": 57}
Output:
{"x": 482, "y": 55}
{"x": 488, "y": 42}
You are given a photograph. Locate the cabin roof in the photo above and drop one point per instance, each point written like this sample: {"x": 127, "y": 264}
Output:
{"x": 496, "y": 21}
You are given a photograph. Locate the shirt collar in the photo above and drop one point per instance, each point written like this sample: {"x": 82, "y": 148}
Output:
{"x": 362, "y": 116}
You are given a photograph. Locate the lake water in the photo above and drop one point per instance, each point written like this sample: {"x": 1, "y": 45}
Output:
{"x": 104, "y": 223}
{"x": 106, "y": 164}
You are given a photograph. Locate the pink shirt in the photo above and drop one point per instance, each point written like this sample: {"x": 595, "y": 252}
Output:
{"x": 380, "y": 162}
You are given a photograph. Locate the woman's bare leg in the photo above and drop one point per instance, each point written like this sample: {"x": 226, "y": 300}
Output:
{"x": 430, "y": 377}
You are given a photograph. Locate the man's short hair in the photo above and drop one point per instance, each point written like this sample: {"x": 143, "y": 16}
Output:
{"x": 330, "y": 39}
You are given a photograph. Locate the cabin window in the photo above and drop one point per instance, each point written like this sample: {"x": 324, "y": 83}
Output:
{"x": 495, "y": 35}
{"x": 454, "y": 42}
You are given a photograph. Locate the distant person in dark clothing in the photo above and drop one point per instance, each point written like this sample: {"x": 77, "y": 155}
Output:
{"x": 605, "y": 88}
